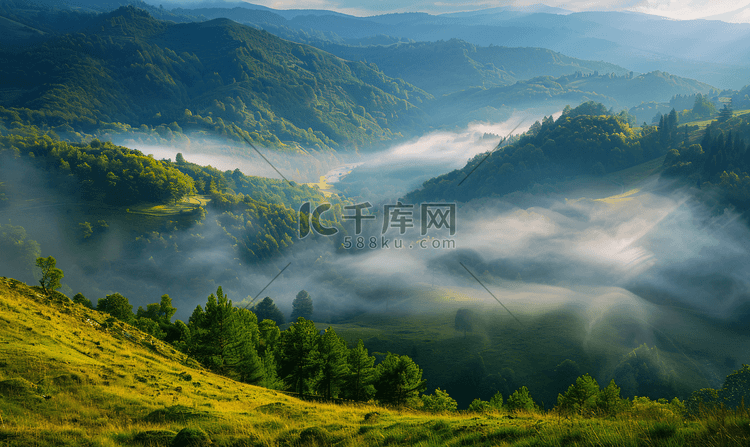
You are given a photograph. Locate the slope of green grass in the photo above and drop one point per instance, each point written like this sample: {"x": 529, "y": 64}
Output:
{"x": 71, "y": 376}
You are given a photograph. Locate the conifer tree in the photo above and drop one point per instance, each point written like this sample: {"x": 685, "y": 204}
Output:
{"x": 399, "y": 380}
{"x": 302, "y": 306}
{"x": 248, "y": 366}
{"x": 269, "y": 336}
{"x": 361, "y": 373}
{"x": 581, "y": 395}
{"x": 520, "y": 400}
{"x": 299, "y": 360}
{"x": 225, "y": 339}
{"x": 333, "y": 363}
{"x": 267, "y": 310}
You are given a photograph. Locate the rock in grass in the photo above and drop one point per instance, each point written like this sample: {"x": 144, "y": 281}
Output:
{"x": 372, "y": 418}
{"x": 191, "y": 437}
{"x": 155, "y": 437}
{"x": 315, "y": 435}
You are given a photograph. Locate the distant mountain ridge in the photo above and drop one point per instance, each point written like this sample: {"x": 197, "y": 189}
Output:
{"x": 711, "y": 51}
{"x": 126, "y": 69}
{"x": 449, "y": 66}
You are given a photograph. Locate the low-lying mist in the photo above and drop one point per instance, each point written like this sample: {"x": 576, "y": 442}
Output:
{"x": 645, "y": 253}
{"x": 225, "y": 155}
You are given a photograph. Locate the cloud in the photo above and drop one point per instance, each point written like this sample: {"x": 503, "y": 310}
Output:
{"x": 687, "y": 10}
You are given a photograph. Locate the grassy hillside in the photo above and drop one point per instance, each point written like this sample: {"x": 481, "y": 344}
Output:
{"x": 72, "y": 376}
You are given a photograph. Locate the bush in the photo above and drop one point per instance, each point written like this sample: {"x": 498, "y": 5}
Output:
{"x": 82, "y": 300}
{"x": 440, "y": 402}
{"x": 580, "y": 396}
{"x": 479, "y": 406}
{"x": 520, "y": 400}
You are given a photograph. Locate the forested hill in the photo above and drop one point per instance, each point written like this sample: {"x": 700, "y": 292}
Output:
{"x": 129, "y": 68}
{"x": 426, "y": 63}
{"x": 584, "y": 140}
{"x": 615, "y": 91}
{"x": 719, "y": 157}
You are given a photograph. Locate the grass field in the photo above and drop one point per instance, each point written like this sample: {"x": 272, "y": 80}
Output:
{"x": 187, "y": 205}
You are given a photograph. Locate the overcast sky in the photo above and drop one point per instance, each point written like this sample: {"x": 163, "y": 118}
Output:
{"x": 728, "y": 10}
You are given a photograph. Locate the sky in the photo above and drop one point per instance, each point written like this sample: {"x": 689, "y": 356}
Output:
{"x": 727, "y": 10}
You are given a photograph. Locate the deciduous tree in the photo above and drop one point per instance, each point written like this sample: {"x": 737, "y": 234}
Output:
{"x": 51, "y": 275}
{"x": 116, "y": 305}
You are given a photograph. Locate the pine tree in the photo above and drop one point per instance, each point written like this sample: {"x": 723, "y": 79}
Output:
{"x": 399, "y": 380}
{"x": 225, "y": 339}
{"x": 580, "y": 395}
{"x": 333, "y": 363}
{"x": 267, "y": 310}
{"x": 217, "y": 336}
{"x": 269, "y": 336}
{"x": 248, "y": 366}
{"x": 271, "y": 378}
{"x": 609, "y": 398}
{"x": 302, "y": 306}
{"x": 726, "y": 113}
{"x": 299, "y": 360}
{"x": 520, "y": 400}
{"x": 361, "y": 374}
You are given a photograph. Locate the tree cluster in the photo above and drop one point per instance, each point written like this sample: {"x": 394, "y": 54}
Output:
{"x": 720, "y": 159}
{"x": 105, "y": 172}
{"x": 231, "y": 341}
{"x": 585, "y": 140}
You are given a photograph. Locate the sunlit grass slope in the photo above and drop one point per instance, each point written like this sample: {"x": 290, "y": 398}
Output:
{"x": 71, "y": 376}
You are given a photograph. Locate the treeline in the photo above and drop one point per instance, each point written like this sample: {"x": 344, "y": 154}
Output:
{"x": 232, "y": 341}
{"x": 607, "y": 88}
{"x": 588, "y": 139}
{"x": 718, "y": 159}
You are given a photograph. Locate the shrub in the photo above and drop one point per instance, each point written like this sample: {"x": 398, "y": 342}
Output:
{"x": 520, "y": 400}
{"x": 439, "y": 402}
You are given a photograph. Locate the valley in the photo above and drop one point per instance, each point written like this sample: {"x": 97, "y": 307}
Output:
{"x": 255, "y": 226}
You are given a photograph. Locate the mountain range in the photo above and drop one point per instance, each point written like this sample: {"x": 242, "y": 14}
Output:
{"x": 126, "y": 69}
